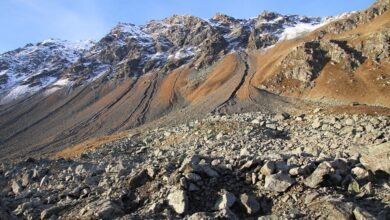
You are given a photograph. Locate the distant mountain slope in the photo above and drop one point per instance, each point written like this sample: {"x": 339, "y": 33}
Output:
{"x": 184, "y": 67}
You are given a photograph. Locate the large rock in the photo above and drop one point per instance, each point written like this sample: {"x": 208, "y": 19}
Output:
{"x": 376, "y": 158}
{"x": 319, "y": 175}
{"x": 278, "y": 182}
{"x": 103, "y": 209}
{"x": 178, "y": 201}
{"x": 340, "y": 210}
{"x": 139, "y": 179}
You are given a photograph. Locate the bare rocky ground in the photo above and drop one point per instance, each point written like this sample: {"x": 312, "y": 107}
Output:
{"x": 240, "y": 166}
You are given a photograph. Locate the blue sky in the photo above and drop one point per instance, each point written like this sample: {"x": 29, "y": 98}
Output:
{"x": 25, "y": 21}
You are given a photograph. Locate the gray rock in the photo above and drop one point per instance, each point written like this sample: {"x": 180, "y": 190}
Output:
{"x": 360, "y": 173}
{"x": 335, "y": 209}
{"x": 103, "y": 209}
{"x": 278, "y": 182}
{"x": 250, "y": 164}
{"x": 311, "y": 197}
{"x": 139, "y": 179}
{"x": 52, "y": 211}
{"x": 281, "y": 117}
{"x": 317, "y": 124}
{"x": 376, "y": 158}
{"x": 318, "y": 176}
{"x": 26, "y": 179}
{"x": 354, "y": 187}
{"x": 250, "y": 203}
{"x": 16, "y": 187}
{"x": 209, "y": 171}
{"x": 349, "y": 122}
{"x": 178, "y": 200}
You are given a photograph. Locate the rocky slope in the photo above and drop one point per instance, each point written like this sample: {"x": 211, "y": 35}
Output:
{"x": 240, "y": 166}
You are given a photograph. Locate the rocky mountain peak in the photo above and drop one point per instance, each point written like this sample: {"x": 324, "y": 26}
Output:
{"x": 185, "y": 20}
{"x": 224, "y": 19}
{"x": 269, "y": 15}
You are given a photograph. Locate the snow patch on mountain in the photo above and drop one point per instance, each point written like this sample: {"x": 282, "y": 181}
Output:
{"x": 298, "y": 30}
{"x": 35, "y": 67}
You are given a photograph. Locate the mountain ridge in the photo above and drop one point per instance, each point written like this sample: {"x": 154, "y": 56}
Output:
{"x": 147, "y": 31}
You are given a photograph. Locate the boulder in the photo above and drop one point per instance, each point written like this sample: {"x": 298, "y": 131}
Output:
{"x": 376, "y": 158}
{"x": 103, "y": 209}
{"x": 178, "y": 201}
{"x": 318, "y": 176}
{"x": 278, "y": 182}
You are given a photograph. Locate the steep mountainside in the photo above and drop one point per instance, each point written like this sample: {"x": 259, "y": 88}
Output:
{"x": 55, "y": 94}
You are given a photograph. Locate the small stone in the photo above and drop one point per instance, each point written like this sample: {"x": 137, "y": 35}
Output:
{"x": 317, "y": 124}
{"x": 216, "y": 162}
{"x": 44, "y": 180}
{"x": 368, "y": 188}
{"x": 315, "y": 111}
{"x": 354, "y": 187}
{"x": 244, "y": 152}
{"x": 219, "y": 136}
{"x": 349, "y": 122}
{"x": 226, "y": 200}
{"x": 250, "y": 164}
{"x": 178, "y": 201}
{"x": 295, "y": 171}
{"x": 255, "y": 121}
{"x": 360, "y": 173}
{"x": 250, "y": 203}
{"x": 281, "y": 117}
{"x": 278, "y": 182}
{"x": 16, "y": 187}
{"x": 26, "y": 178}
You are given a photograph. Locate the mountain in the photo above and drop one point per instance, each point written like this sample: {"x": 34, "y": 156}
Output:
{"x": 166, "y": 44}
{"x": 55, "y": 94}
